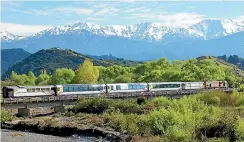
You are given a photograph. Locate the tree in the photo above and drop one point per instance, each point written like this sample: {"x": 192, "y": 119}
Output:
{"x": 43, "y": 77}
{"x": 31, "y": 78}
{"x": 62, "y": 76}
{"x": 87, "y": 73}
{"x": 16, "y": 78}
{"x": 190, "y": 71}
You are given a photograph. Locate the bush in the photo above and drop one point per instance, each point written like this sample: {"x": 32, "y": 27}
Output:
{"x": 124, "y": 122}
{"x": 6, "y": 116}
{"x": 239, "y": 129}
{"x": 100, "y": 105}
{"x": 241, "y": 88}
{"x": 97, "y": 105}
{"x": 161, "y": 102}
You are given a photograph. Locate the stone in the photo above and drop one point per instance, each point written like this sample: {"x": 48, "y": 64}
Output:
{"x": 22, "y": 112}
{"x": 59, "y": 109}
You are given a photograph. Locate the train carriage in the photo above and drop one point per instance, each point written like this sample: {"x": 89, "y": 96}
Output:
{"x": 83, "y": 89}
{"x": 192, "y": 85}
{"x": 161, "y": 86}
{"x": 127, "y": 87}
{"x": 28, "y": 91}
{"x": 215, "y": 84}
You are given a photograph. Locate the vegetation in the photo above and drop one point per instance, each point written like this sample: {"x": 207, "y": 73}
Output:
{"x": 213, "y": 116}
{"x": 233, "y": 59}
{"x": 9, "y": 57}
{"x": 155, "y": 71}
{"x": 54, "y": 58}
{"x": 6, "y": 116}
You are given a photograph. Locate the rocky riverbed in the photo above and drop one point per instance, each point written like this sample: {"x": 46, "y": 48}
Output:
{"x": 20, "y": 136}
{"x": 64, "y": 127}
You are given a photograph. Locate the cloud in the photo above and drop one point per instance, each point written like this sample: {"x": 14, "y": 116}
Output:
{"x": 70, "y": 10}
{"x": 173, "y": 20}
{"x": 101, "y": 5}
{"x": 180, "y": 19}
{"x": 240, "y": 18}
{"x": 94, "y": 19}
{"x": 22, "y": 30}
{"x": 108, "y": 10}
{"x": 134, "y": 9}
{"x": 56, "y": 10}
{"x": 10, "y": 3}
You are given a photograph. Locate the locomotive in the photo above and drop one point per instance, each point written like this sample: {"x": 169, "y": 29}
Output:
{"x": 86, "y": 89}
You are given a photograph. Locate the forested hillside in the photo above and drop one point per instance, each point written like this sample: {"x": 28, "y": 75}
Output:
{"x": 9, "y": 57}
{"x": 233, "y": 59}
{"x": 50, "y": 60}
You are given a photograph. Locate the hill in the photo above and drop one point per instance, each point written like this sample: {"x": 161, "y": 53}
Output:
{"x": 9, "y": 57}
{"x": 233, "y": 59}
{"x": 51, "y": 59}
{"x": 118, "y": 61}
{"x": 238, "y": 71}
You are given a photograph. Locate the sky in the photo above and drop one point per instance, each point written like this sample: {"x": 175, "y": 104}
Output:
{"x": 28, "y": 17}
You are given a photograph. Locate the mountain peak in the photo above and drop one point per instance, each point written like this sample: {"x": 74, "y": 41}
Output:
{"x": 212, "y": 28}
{"x": 7, "y": 36}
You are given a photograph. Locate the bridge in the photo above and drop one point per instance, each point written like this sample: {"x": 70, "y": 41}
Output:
{"x": 58, "y": 102}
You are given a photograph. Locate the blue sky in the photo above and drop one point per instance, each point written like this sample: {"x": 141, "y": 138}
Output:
{"x": 28, "y": 17}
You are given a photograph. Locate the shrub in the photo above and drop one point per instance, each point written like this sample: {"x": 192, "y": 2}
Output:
{"x": 6, "y": 116}
{"x": 239, "y": 129}
{"x": 161, "y": 102}
{"x": 97, "y": 105}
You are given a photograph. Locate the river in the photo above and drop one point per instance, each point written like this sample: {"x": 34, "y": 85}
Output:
{"x": 19, "y": 136}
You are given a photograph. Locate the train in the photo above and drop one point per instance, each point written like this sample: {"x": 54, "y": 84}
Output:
{"x": 108, "y": 89}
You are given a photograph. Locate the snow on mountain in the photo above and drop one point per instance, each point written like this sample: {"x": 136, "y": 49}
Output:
{"x": 144, "y": 41}
{"x": 210, "y": 29}
{"x": 206, "y": 29}
{"x": 6, "y": 36}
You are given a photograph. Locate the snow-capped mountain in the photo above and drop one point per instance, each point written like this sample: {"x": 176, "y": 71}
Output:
{"x": 206, "y": 29}
{"x": 142, "y": 41}
{"x": 210, "y": 29}
{"x": 6, "y": 36}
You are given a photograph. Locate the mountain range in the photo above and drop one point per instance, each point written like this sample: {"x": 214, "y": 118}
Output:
{"x": 144, "y": 41}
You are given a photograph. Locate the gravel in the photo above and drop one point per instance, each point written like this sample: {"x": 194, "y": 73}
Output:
{"x": 18, "y": 136}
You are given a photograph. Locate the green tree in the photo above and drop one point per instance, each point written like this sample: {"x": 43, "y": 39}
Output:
{"x": 190, "y": 71}
{"x": 62, "y": 76}
{"x": 16, "y": 78}
{"x": 87, "y": 73}
{"x": 43, "y": 78}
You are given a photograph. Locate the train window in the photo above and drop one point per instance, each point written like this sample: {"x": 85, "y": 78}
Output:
{"x": 37, "y": 89}
{"x": 85, "y": 88}
{"x": 118, "y": 87}
{"x": 75, "y": 89}
{"x": 130, "y": 87}
{"x": 71, "y": 89}
{"x": 66, "y": 89}
{"x": 29, "y": 90}
{"x": 112, "y": 87}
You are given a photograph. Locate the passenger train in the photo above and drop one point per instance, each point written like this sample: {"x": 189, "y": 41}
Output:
{"x": 83, "y": 89}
